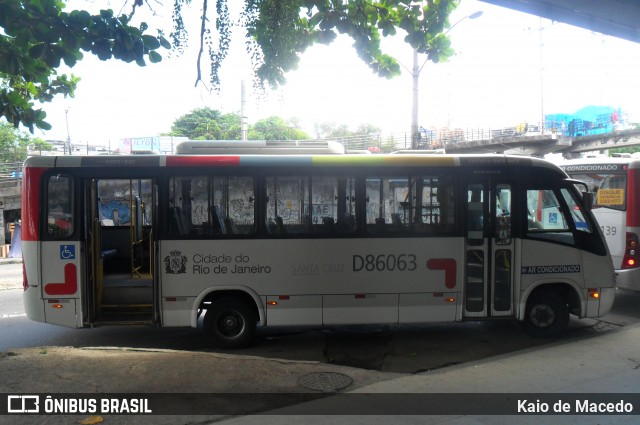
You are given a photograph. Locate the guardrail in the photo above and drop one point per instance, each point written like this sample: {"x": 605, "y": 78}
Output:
{"x": 10, "y": 172}
{"x": 436, "y": 139}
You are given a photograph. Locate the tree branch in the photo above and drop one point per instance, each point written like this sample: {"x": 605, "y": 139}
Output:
{"x": 203, "y": 28}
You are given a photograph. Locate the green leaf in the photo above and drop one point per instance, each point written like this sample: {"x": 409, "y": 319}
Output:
{"x": 37, "y": 51}
{"x": 150, "y": 42}
{"x": 154, "y": 57}
{"x": 106, "y": 13}
{"x": 164, "y": 42}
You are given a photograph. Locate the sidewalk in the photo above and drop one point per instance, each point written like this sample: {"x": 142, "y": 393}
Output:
{"x": 7, "y": 260}
{"x": 571, "y": 372}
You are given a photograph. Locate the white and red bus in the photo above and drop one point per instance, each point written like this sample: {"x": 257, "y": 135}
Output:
{"x": 615, "y": 183}
{"x": 251, "y": 233}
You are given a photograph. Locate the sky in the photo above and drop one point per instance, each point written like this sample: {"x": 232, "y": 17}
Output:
{"x": 509, "y": 67}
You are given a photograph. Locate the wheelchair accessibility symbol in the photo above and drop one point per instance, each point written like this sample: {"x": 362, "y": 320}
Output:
{"x": 67, "y": 252}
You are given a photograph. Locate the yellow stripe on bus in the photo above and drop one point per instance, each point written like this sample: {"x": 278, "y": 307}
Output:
{"x": 401, "y": 160}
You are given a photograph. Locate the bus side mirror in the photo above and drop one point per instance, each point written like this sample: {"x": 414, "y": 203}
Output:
{"x": 587, "y": 198}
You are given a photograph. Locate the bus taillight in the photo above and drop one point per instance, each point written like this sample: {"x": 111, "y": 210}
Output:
{"x": 631, "y": 252}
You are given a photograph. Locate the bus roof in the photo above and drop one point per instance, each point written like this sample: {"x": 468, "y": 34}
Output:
{"x": 258, "y": 147}
{"x": 252, "y": 160}
{"x": 599, "y": 164}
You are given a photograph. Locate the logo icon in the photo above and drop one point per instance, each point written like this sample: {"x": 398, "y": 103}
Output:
{"x": 23, "y": 404}
{"x": 67, "y": 252}
{"x": 175, "y": 262}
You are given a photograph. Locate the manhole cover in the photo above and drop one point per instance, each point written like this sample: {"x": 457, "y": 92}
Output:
{"x": 325, "y": 381}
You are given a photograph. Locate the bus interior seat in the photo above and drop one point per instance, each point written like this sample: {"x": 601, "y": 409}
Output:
{"x": 328, "y": 225}
{"x": 216, "y": 220}
{"x": 176, "y": 221}
{"x": 346, "y": 225}
{"x": 109, "y": 253}
{"x": 380, "y": 226}
{"x": 280, "y": 225}
{"x": 230, "y": 225}
{"x": 270, "y": 226}
{"x": 396, "y": 221}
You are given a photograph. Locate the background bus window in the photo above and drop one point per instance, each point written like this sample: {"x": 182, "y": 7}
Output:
{"x": 611, "y": 192}
{"x": 60, "y": 206}
{"x": 609, "y": 189}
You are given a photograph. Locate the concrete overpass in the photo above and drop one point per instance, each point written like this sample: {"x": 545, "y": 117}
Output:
{"x": 617, "y": 18}
{"x": 539, "y": 145}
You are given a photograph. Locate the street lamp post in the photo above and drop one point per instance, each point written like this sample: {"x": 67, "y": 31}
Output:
{"x": 415, "y": 74}
{"x": 66, "y": 116}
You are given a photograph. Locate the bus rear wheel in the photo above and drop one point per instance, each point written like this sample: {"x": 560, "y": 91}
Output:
{"x": 547, "y": 315}
{"x": 230, "y": 323}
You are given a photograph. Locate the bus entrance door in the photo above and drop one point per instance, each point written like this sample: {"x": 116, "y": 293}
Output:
{"x": 488, "y": 288}
{"x": 121, "y": 223}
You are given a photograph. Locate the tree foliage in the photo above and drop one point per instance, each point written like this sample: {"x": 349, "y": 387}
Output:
{"x": 279, "y": 31}
{"x": 14, "y": 144}
{"x": 38, "y": 36}
{"x": 210, "y": 124}
{"x": 276, "y": 128}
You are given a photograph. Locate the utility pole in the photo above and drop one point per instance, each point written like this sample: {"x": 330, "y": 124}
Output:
{"x": 68, "y": 145}
{"x": 415, "y": 74}
{"x": 243, "y": 115}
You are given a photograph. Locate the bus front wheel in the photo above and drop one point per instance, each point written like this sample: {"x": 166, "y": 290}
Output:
{"x": 230, "y": 323}
{"x": 547, "y": 315}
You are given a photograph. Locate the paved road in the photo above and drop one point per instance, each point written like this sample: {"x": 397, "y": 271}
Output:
{"x": 395, "y": 349}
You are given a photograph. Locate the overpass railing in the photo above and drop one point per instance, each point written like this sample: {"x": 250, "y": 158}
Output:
{"x": 437, "y": 138}
{"x": 10, "y": 172}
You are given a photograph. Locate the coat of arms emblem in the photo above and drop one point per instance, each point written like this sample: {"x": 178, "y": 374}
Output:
{"x": 175, "y": 262}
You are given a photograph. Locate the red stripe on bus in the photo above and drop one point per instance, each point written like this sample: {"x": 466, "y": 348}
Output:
{"x": 633, "y": 197}
{"x": 448, "y": 265}
{"x": 30, "y": 203}
{"x": 198, "y": 160}
{"x": 70, "y": 284}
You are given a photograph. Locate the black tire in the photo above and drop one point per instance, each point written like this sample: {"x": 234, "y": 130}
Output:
{"x": 230, "y": 323}
{"x": 547, "y": 315}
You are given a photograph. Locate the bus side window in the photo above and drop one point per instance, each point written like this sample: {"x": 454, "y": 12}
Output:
{"x": 503, "y": 214}
{"x": 475, "y": 214}
{"x": 388, "y": 209}
{"x": 60, "y": 207}
{"x": 288, "y": 205}
{"x": 577, "y": 215}
{"x": 432, "y": 204}
{"x": 321, "y": 205}
{"x": 211, "y": 206}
